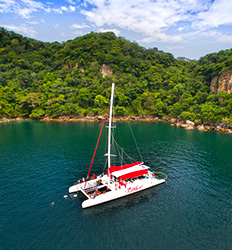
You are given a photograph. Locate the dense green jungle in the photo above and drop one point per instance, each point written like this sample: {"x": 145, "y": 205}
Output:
{"x": 73, "y": 78}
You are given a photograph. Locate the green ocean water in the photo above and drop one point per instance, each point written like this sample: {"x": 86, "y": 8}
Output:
{"x": 39, "y": 161}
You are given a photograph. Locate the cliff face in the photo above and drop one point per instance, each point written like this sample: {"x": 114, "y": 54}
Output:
{"x": 106, "y": 71}
{"x": 222, "y": 83}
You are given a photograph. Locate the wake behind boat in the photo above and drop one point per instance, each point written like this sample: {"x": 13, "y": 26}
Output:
{"x": 118, "y": 181}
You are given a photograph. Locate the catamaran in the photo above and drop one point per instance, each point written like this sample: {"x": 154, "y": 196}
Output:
{"x": 118, "y": 181}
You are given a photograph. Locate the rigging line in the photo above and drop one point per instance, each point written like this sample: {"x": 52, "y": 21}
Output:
{"x": 121, "y": 154}
{"x": 96, "y": 145}
{"x": 117, "y": 149}
{"x": 129, "y": 157}
{"x": 105, "y": 166}
{"x": 135, "y": 141}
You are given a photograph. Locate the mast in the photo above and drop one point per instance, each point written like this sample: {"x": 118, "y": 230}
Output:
{"x": 110, "y": 121}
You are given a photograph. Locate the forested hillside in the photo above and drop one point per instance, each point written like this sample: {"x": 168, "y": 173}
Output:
{"x": 74, "y": 78}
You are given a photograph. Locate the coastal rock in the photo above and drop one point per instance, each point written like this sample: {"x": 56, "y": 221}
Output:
{"x": 4, "y": 119}
{"x": 182, "y": 122}
{"x": 173, "y": 120}
{"x": 165, "y": 118}
{"x": 190, "y": 127}
{"x": 190, "y": 123}
{"x": 184, "y": 125}
{"x": 207, "y": 127}
{"x": 100, "y": 118}
{"x": 201, "y": 128}
{"x": 218, "y": 128}
{"x": 225, "y": 125}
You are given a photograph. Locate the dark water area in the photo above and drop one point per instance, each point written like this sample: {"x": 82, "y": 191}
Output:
{"x": 41, "y": 160}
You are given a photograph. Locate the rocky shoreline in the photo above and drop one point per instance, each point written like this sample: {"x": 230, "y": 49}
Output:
{"x": 189, "y": 125}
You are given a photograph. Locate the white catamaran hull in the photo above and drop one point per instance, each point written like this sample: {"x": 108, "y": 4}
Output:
{"x": 116, "y": 194}
{"x": 114, "y": 191}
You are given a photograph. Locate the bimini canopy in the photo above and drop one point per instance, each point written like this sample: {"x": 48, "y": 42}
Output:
{"x": 129, "y": 171}
{"x": 114, "y": 168}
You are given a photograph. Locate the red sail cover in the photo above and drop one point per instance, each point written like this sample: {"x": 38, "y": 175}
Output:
{"x": 114, "y": 168}
{"x": 129, "y": 171}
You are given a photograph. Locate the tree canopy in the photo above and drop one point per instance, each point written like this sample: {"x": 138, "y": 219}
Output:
{"x": 40, "y": 79}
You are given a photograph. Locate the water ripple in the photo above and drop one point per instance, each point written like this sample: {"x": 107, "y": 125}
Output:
{"x": 39, "y": 161}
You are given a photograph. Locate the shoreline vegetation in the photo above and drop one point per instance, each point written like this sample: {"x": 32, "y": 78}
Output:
{"x": 189, "y": 125}
{"x": 73, "y": 80}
